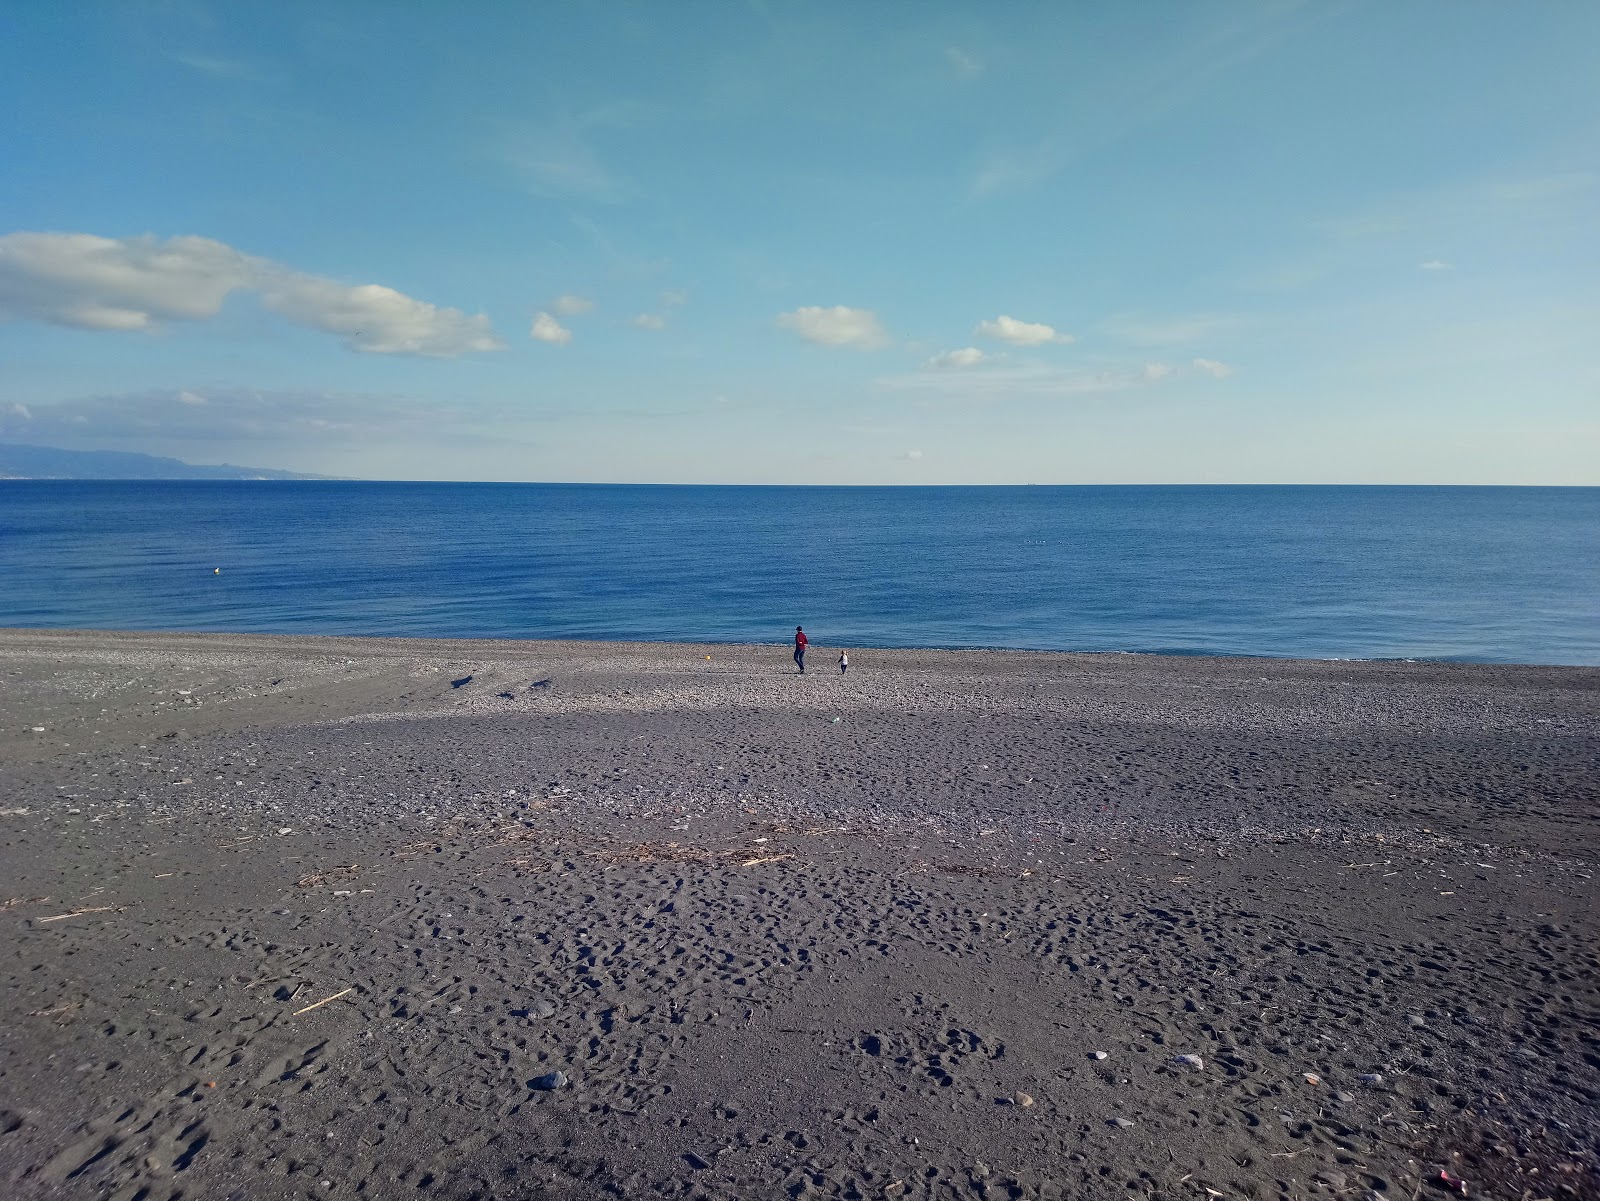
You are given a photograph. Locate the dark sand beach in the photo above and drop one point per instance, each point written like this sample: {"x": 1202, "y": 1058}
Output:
{"x": 340, "y": 918}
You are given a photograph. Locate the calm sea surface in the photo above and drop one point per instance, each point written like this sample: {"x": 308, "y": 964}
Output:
{"x": 1484, "y": 574}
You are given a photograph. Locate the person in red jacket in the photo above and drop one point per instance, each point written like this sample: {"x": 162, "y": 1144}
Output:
{"x": 800, "y": 643}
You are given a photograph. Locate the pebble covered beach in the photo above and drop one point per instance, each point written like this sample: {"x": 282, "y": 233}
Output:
{"x": 338, "y": 917}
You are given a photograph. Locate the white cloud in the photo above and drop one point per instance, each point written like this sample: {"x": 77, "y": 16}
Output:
{"x": 1019, "y": 333}
{"x": 836, "y": 326}
{"x": 1436, "y": 265}
{"x": 546, "y": 328}
{"x": 94, "y": 283}
{"x": 571, "y": 306}
{"x": 912, "y": 456}
{"x": 374, "y": 319}
{"x": 1154, "y": 372}
{"x": 20, "y": 410}
{"x": 90, "y": 282}
{"x": 1213, "y": 368}
{"x": 965, "y": 64}
{"x": 674, "y": 298}
{"x": 967, "y": 356}
{"x": 650, "y": 321}
{"x": 190, "y": 398}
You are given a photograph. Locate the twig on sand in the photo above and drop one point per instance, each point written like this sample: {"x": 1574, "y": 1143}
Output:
{"x": 323, "y": 1002}
{"x": 15, "y": 901}
{"x": 79, "y": 912}
{"x": 66, "y": 1007}
{"x": 765, "y": 859}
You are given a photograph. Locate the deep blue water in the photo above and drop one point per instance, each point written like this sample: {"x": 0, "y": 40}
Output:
{"x": 1483, "y": 574}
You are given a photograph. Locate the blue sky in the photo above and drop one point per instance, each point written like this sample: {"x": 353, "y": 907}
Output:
{"x": 808, "y": 243}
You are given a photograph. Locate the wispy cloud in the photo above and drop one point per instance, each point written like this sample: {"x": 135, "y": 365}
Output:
{"x": 238, "y": 418}
{"x": 138, "y": 284}
{"x": 1139, "y": 330}
{"x": 1020, "y": 333}
{"x": 1213, "y": 368}
{"x": 1024, "y": 380}
{"x": 572, "y": 306}
{"x": 1466, "y": 204}
{"x": 554, "y": 155}
{"x": 555, "y": 161}
{"x": 836, "y": 326}
{"x": 1143, "y": 93}
{"x": 218, "y": 67}
{"x": 1530, "y": 209}
{"x": 650, "y": 321}
{"x": 966, "y": 65}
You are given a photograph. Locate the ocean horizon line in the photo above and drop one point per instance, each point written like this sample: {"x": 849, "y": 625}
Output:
{"x": 340, "y": 480}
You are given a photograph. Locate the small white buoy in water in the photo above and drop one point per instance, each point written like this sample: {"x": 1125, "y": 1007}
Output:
{"x": 216, "y": 571}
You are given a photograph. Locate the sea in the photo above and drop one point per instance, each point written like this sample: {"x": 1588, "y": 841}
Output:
{"x": 1470, "y": 574}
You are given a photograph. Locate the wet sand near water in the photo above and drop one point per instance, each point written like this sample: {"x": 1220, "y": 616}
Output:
{"x": 337, "y": 917}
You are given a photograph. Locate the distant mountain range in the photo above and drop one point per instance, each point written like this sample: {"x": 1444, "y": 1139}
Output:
{"x": 50, "y": 463}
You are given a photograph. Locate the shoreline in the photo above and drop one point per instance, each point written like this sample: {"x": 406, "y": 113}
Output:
{"x": 289, "y": 909}
{"x": 466, "y": 641}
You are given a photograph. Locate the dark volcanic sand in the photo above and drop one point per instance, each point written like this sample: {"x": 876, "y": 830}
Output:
{"x": 788, "y": 937}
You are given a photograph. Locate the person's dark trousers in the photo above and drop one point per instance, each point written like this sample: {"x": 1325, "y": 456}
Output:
{"x": 800, "y": 660}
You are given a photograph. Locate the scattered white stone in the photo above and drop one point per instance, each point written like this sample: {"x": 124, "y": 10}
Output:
{"x": 1189, "y": 1061}
{"x": 1097, "y": 1054}
{"x": 1372, "y": 1078}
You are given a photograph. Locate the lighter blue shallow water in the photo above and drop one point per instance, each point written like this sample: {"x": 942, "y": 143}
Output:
{"x": 1478, "y": 574}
